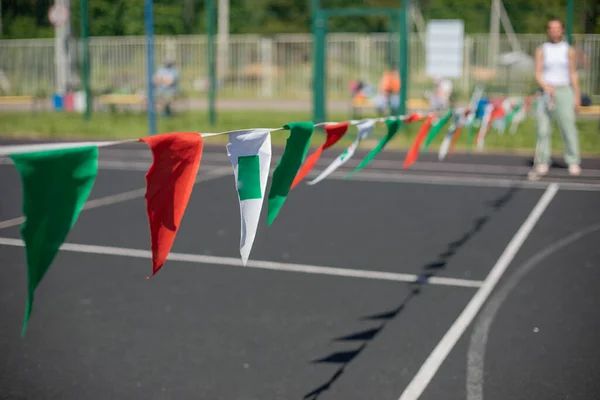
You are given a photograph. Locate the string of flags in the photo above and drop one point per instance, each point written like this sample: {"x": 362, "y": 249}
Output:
{"x": 58, "y": 178}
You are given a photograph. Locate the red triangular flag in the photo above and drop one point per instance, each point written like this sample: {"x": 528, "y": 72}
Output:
{"x": 414, "y": 117}
{"x": 334, "y": 133}
{"x": 413, "y": 153}
{"x": 497, "y": 112}
{"x": 169, "y": 182}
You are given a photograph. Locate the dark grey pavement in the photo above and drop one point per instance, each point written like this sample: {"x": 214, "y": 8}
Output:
{"x": 100, "y": 330}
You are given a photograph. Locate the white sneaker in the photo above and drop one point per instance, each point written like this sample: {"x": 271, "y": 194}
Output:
{"x": 538, "y": 171}
{"x": 574, "y": 170}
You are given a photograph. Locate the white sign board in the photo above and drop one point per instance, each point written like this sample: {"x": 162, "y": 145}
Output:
{"x": 445, "y": 48}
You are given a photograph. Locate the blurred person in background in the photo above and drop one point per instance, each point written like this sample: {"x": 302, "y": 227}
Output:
{"x": 556, "y": 73}
{"x": 166, "y": 82}
{"x": 389, "y": 91}
{"x": 439, "y": 99}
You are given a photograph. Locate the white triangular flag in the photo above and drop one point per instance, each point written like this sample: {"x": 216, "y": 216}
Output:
{"x": 518, "y": 118}
{"x": 364, "y": 130}
{"x": 250, "y": 155}
{"x": 457, "y": 122}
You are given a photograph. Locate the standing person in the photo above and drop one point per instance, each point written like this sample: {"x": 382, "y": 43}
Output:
{"x": 389, "y": 91}
{"x": 166, "y": 81}
{"x": 556, "y": 73}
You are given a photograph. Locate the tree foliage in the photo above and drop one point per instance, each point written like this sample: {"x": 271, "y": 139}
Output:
{"x": 29, "y": 18}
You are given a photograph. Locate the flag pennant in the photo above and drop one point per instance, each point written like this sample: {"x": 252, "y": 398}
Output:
{"x": 452, "y": 132}
{"x": 169, "y": 183}
{"x": 293, "y": 155}
{"x": 413, "y": 153}
{"x": 392, "y": 128}
{"x": 492, "y": 114}
{"x": 334, "y": 133}
{"x": 510, "y": 117}
{"x": 468, "y": 117}
{"x": 471, "y": 131}
{"x": 436, "y": 128}
{"x": 455, "y": 138}
{"x": 365, "y": 128}
{"x": 413, "y": 117}
{"x": 518, "y": 118}
{"x": 56, "y": 185}
{"x": 250, "y": 156}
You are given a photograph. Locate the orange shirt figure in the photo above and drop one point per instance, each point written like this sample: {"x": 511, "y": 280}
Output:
{"x": 390, "y": 82}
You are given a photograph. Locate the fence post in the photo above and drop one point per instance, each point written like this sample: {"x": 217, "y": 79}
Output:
{"x": 266, "y": 58}
{"x": 404, "y": 55}
{"x": 85, "y": 70}
{"x": 149, "y": 26}
{"x": 319, "y": 84}
{"x": 466, "y": 81}
{"x": 210, "y": 35}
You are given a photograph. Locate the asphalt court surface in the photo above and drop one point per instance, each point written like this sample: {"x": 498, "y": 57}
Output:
{"x": 100, "y": 330}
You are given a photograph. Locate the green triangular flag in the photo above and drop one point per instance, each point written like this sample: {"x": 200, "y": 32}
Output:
{"x": 392, "y": 128}
{"x": 472, "y": 126}
{"x": 293, "y": 156}
{"x": 437, "y": 128}
{"x": 56, "y": 184}
{"x": 511, "y": 115}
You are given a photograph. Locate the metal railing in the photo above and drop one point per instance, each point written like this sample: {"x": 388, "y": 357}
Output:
{"x": 272, "y": 67}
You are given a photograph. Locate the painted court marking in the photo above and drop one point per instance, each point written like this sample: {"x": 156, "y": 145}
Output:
{"x": 270, "y": 265}
{"x": 479, "y": 337}
{"x": 421, "y": 380}
{"x": 427, "y": 176}
{"x": 469, "y": 181}
{"x": 124, "y": 196}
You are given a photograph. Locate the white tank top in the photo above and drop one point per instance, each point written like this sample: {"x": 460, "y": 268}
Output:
{"x": 556, "y": 64}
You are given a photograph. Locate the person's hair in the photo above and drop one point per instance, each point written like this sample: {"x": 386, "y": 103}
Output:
{"x": 556, "y": 19}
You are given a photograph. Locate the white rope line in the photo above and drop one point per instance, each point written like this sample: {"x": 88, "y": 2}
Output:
{"x": 30, "y": 148}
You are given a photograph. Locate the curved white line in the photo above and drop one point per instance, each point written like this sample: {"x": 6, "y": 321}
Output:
{"x": 476, "y": 351}
{"x": 431, "y": 365}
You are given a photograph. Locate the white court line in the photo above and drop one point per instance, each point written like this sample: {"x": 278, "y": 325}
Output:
{"x": 270, "y": 265}
{"x": 481, "y": 330}
{"x": 398, "y": 176}
{"x": 124, "y": 196}
{"x": 380, "y": 164}
{"x": 382, "y": 177}
{"x": 443, "y": 348}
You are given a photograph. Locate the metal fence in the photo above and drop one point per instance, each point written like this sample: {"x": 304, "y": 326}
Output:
{"x": 273, "y": 67}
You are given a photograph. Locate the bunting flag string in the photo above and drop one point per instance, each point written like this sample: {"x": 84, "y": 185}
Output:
{"x": 333, "y": 132}
{"x": 392, "y": 128}
{"x": 56, "y": 184}
{"x": 57, "y": 178}
{"x": 293, "y": 155}
{"x": 250, "y": 156}
{"x": 365, "y": 128}
{"x": 493, "y": 113}
{"x": 436, "y": 128}
{"x": 169, "y": 184}
{"x": 45, "y": 147}
{"x": 511, "y": 116}
{"x": 468, "y": 117}
{"x": 452, "y": 131}
{"x": 413, "y": 153}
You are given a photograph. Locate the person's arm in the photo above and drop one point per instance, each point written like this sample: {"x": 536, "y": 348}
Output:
{"x": 539, "y": 68}
{"x": 574, "y": 77}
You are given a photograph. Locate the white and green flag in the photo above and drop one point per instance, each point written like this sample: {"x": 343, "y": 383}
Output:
{"x": 364, "y": 130}
{"x": 250, "y": 155}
